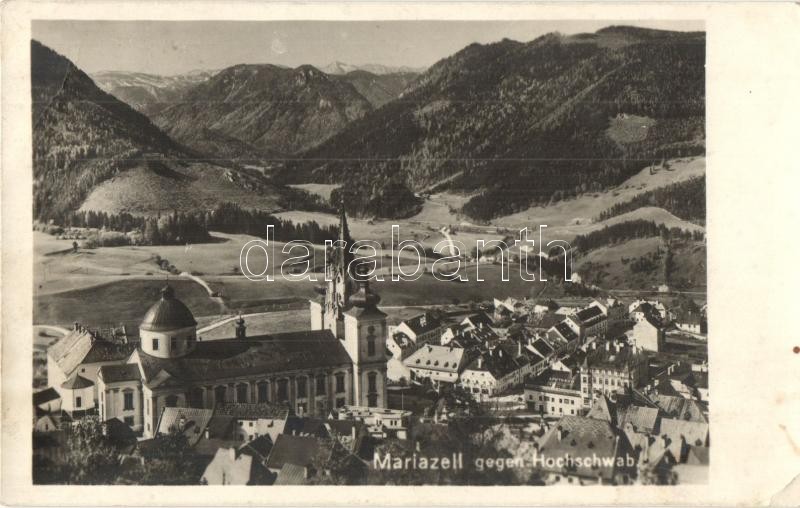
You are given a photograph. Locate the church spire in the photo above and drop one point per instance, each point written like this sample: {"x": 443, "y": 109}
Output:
{"x": 344, "y": 230}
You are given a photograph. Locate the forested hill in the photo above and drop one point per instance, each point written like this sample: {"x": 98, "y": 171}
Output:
{"x": 274, "y": 109}
{"x": 526, "y": 123}
{"x": 81, "y": 135}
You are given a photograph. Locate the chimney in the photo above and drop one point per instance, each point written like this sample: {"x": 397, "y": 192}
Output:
{"x": 560, "y": 432}
{"x": 76, "y": 326}
{"x": 353, "y": 431}
{"x": 480, "y": 362}
{"x": 664, "y": 440}
{"x": 416, "y": 446}
{"x": 207, "y": 433}
{"x": 519, "y": 348}
{"x": 608, "y": 346}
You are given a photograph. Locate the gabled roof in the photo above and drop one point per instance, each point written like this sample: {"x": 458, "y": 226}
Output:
{"x": 192, "y": 422}
{"x": 643, "y": 419}
{"x": 589, "y": 314}
{"x": 498, "y": 362}
{"x": 477, "y": 319}
{"x": 259, "y": 355}
{"x": 259, "y": 448}
{"x": 118, "y": 373}
{"x": 298, "y": 450}
{"x": 302, "y": 426}
{"x": 695, "y": 433}
{"x": 44, "y": 396}
{"x": 542, "y": 347}
{"x": 85, "y": 346}
{"x": 582, "y": 437}
{"x": 230, "y": 468}
{"x": 564, "y": 331}
{"x": 679, "y": 407}
{"x": 422, "y": 323}
{"x": 443, "y": 358}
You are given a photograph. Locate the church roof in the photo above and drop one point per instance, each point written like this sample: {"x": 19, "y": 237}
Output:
{"x": 168, "y": 313}
{"x": 117, "y": 373}
{"x": 258, "y": 355}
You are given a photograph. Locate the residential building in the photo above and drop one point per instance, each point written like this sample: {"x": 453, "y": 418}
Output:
{"x": 648, "y": 333}
{"x": 440, "y": 364}
{"x": 494, "y": 371}
{"x": 606, "y": 453}
{"x": 554, "y": 393}
{"x": 611, "y": 369}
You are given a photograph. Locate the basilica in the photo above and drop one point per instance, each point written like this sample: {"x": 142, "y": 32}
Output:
{"x": 339, "y": 361}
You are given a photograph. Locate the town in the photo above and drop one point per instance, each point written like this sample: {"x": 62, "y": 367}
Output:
{"x": 600, "y": 389}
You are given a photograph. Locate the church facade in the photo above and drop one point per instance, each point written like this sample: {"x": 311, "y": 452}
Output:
{"x": 341, "y": 361}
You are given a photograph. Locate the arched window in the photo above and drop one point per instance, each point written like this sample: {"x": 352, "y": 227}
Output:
{"x": 372, "y": 389}
{"x": 263, "y": 391}
{"x": 283, "y": 390}
{"x": 220, "y": 394}
{"x": 195, "y": 397}
{"x": 302, "y": 387}
{"x": 241, "y": 393}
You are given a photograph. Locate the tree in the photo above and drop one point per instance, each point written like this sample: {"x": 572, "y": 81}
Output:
{"x": 91, "y": 459}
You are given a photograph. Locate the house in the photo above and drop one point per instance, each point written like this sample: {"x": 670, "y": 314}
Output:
{"x": 680, "y": 408}
{"x": 564, "y": 336}
{"x": 400, "y": 345}
{"x": 611, "y": 369}
{"x": 254, "y": 420}
{"x": 648, "y": 333}
{"x": 229, "y": 467}
{"x": 494, "y": 371}
{"x": 421, "y": 329}
{"x": 380, "y": 422}
{"x": 682, "y": 435}
{"x": 554, "y": 393}
{"x": 46, "y": 401}
{"x": 451, "y": 333}
{"x": 606, "y": 456}
{"x": 692, "y": 322}
{"x": 476, "y": 321}
{"x": 77, "y": 395}
{"x": 304, "y": 451}
{"x": 440, "y": 364}
{"x": 639, "y": 308}
{"x": 189, "y": 421}
{"x": 83, "y": 351}
{"x": 589, "y": 321}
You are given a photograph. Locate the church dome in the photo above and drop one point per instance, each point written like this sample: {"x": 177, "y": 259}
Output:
{"x": 168, "y": 313}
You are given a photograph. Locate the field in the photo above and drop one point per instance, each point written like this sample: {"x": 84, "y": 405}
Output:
{"x": 607, "y": 267}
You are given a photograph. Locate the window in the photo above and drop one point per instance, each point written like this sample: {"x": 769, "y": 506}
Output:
{"x": 372, "y": 382}
{"x": 129, "y": 421}
{"x": 171, "y": 401}
{"x": 155, "y": 344}
{"x": 371, "y": 345}
{"x": 320, "y": 385}
{"x": 263, "y": 390}
{"x": 77, "y": 402}
{"x": 127, "y": 399}
{"x": 302, "y": 388}
{"x": 148, "y": 406}
{"x": 196, "y": 397}
{"x": 283, "y": 390}
{"x": 173, "y": 344}
{"x": 219, "y": 394}
{"x": 340, "y": 402}
{"x": 340, "y": 383}
{"x": 241, "y": 393}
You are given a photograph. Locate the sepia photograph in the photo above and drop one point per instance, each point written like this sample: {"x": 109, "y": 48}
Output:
{"x": 425, "y": 252}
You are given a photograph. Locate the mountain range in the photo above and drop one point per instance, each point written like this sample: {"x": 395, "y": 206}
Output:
{"x": 148, "y": 93}
{"x": 87, "y": 141}
{"x": 335, "y": 68}
{"x": 511, "y": 124}
{"x": 518, "y": 124}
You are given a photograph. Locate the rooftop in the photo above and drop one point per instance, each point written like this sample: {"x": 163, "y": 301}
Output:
{"x": 444, "y": 358}
{"x": 168, "y": 313}
{"x": 258, "y": 355}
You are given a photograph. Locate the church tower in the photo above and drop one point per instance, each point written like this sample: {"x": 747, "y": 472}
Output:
{"x": 365, "y": 333}
{"x": 328, "y": 311}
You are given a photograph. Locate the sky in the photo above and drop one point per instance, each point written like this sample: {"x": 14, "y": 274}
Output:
{"x": 176, "y": 47}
